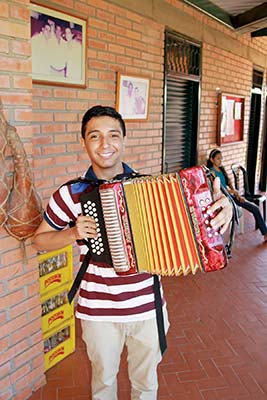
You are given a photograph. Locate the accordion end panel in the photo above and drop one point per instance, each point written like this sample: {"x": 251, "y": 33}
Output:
{"x": 199, "y": 199}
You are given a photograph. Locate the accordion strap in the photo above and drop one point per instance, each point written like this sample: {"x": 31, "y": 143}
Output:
{"x": 77, "y": 281}
{"x": 159, "y": 315}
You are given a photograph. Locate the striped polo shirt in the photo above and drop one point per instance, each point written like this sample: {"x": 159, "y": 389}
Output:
{"x": 103, "y": 295}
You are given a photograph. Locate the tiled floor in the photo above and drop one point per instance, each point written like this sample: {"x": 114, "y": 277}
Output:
{"x": 217, "y": 343}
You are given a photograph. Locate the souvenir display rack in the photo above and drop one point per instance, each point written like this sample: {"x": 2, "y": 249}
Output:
{"x": 58, "y": 325}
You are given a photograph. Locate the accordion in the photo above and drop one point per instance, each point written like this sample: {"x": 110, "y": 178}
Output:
{"x": 155, "y": 224}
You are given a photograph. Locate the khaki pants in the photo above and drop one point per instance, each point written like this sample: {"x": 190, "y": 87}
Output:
{"x": 105, "y": 342}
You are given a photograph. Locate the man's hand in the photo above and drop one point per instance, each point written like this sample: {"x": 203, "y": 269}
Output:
{"x": 223, "y": 205}
{"x": 84, "y": 228}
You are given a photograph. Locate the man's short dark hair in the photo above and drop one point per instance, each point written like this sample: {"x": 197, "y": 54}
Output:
{"x": 102, "y": 111}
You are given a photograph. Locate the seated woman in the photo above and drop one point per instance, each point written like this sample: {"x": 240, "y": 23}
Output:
{"x": 214, "y": 163}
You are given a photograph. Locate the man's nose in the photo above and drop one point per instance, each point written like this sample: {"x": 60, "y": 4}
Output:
{"x": 104, "y": 141}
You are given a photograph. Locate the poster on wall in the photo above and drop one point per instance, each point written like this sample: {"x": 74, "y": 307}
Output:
{"x": 58, "y": 42}
{"x": 132, "y": 97}
{"x": 230, "y": 118}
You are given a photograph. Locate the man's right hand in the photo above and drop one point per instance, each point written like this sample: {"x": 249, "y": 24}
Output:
{"x": 84, "y": 228}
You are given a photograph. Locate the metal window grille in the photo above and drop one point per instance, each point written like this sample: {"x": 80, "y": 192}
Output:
{"x": 182, "y": 56}
{"x": 257, "y": 79}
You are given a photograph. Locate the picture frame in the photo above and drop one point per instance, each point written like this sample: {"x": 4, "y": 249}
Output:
{"x": 132, "y": 98}
{"x": 58, "y": 43}
{"x": 230, "y": 118}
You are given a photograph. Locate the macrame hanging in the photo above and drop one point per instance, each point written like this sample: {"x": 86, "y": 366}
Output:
{"x": 4, "y": 190}
{"x": 23, "y": 206}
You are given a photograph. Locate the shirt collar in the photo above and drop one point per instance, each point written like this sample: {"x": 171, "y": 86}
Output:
{"x": 92, "y": 176}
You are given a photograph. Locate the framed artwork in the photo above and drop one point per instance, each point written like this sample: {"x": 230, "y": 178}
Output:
{"x": 230, "y": 118}
{"x": 58, "y": 43}
{"x": 132, "y": 98}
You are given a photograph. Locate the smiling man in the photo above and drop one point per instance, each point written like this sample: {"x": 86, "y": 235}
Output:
{"x": 114, "y": 310}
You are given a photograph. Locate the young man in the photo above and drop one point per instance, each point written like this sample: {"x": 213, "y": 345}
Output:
{"x": 114, "y": 310}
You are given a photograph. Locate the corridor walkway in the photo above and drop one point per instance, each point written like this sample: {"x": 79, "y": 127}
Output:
{"x": 217, "y": 343}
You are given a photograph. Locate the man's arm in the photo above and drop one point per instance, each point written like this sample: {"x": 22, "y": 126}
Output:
{"x": 46, "y": 238}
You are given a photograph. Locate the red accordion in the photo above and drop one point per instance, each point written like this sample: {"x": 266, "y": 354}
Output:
{"x": 156, "y": 224}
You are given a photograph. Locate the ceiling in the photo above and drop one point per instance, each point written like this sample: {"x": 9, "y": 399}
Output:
{"x": 241, "y": 15}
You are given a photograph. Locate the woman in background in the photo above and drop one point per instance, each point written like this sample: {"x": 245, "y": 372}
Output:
{"x": 214, "y": 163}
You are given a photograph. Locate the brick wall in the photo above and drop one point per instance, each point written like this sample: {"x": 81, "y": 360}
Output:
{"x": 21, "y": 358}
{"x": 48, "y": 121}
{"x": 230, "y": 74}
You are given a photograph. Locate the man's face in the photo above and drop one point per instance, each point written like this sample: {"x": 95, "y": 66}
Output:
{"x": 68, "y": 34}
{"x": 130, "y": 89}
{"x": 47, "y": 31}
{"x": 58, "y": 32}
{"x": 104, "y": 143}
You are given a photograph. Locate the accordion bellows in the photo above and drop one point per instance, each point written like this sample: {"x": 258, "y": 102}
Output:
{"x": 156, "y": 224}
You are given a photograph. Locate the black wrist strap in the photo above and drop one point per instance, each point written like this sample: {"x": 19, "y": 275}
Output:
{"x": 159, "y": 315}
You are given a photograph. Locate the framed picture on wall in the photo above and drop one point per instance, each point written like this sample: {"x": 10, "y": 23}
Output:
{"x": 132, "y": 100}
{"x": 58, "y": 43}
{"x": 230, "y": 118}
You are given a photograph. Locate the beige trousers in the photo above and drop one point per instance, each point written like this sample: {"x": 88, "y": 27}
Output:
{"x": 105, "y": 342}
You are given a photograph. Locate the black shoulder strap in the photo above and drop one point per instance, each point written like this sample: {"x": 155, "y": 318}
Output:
{"x": 159, "y": 315}
{"x": 77, "y": 281}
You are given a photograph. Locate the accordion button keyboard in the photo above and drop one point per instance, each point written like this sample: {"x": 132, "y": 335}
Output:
{"x": 96, "y": 244}
{"x": 90, "y": 202}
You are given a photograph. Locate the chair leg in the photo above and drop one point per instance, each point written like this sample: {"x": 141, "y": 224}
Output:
{"x": 256, "y": 225}
{"x": 241, "y": 229}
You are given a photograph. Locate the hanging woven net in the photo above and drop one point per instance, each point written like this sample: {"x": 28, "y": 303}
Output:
{"x": 23, "y": 207}
{"x": 4, "y": 189}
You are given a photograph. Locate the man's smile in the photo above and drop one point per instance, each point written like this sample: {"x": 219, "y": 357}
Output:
{"x": 106, "y": 155}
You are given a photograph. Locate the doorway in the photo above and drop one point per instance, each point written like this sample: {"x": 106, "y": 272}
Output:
{"x": 254, "y": 128}
{"x": 181, "y": 103}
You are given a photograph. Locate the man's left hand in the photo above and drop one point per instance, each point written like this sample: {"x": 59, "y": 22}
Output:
{"x": 222, "y": 206}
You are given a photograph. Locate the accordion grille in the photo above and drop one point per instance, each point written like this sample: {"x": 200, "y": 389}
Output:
{"x": 114, "y": 229}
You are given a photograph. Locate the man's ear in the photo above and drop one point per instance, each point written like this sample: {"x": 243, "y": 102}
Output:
{"x": 82, "y": 141}
{"x": 124, "y": 142}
